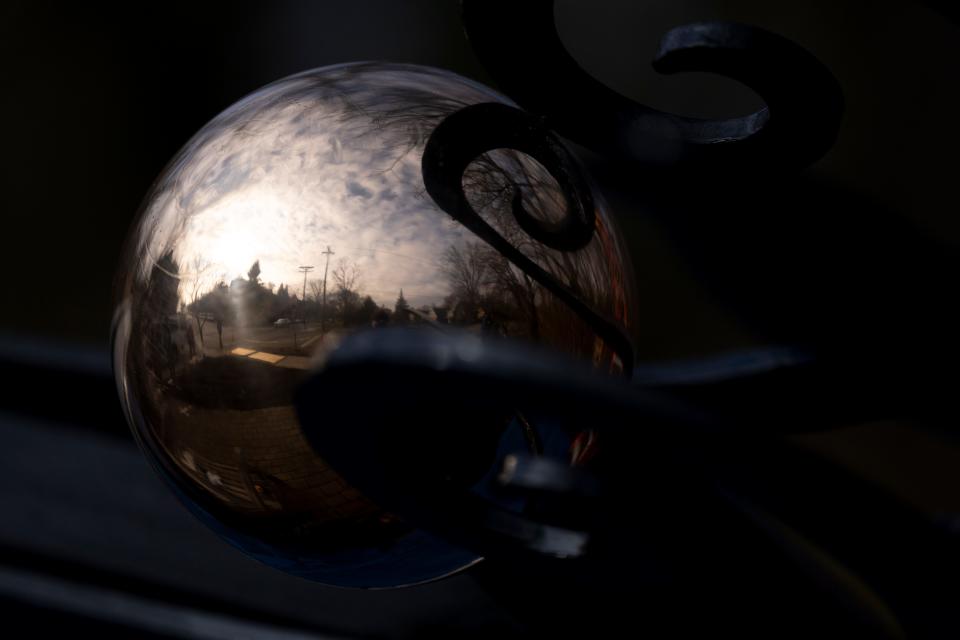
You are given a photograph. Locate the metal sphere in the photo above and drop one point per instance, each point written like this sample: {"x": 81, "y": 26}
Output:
{"x": 295, "y": 217}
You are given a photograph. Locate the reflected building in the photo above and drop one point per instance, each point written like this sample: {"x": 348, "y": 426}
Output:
{"x": 326, "y": 158}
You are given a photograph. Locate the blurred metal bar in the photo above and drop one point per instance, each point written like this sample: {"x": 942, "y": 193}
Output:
{"x": 65, "y": 382}
{"x": 136, "y": 613}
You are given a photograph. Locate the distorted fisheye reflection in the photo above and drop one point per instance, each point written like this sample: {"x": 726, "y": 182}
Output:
{"x": 294, "y": 218}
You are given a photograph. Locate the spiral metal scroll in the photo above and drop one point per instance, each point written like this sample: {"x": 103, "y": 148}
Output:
{"x": 517, "y": 42}
{"x": 474, "y": 130}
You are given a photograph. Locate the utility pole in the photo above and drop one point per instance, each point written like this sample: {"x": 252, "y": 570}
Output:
{"x": 303, "y": 299}
{"x": 323, "y": 307}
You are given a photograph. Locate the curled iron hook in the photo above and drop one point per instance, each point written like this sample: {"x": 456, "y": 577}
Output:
{"x": 472, "y": 131}
{"x": 518, "y": 43}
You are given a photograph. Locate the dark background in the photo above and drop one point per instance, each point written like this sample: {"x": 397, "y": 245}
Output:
{"x": 97, "y": 98}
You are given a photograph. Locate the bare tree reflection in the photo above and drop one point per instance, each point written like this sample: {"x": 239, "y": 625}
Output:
{"x": 346, "y": 280}
{"x": 486, "y": 287}
{"x": 212, "y": 306}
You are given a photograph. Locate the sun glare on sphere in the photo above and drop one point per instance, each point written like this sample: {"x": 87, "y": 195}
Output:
{"x": 225, "y": 240}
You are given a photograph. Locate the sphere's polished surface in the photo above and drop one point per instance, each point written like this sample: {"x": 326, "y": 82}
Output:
{"x": 296, "y": 216}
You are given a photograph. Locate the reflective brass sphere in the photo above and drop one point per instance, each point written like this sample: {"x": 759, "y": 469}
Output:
{"x": 294, "y": 217}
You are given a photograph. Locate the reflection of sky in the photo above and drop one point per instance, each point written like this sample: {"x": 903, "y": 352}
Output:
{"x": 329, "y": 158}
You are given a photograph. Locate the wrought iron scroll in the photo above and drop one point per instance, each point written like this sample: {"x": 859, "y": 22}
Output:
{"x": 474, "y": 130}
{"x": 700, "y": 443}
{"x": 518, "y": 44}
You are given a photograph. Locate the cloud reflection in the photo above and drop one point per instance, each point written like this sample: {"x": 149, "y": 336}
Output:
{"x": 312, "y": 161}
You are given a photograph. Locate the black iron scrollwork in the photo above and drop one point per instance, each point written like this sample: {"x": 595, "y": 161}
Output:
{"x": 464, "y": 136}
{"x": 476, "y": 129}
{"x": 518, "y": 43}
{"x": 694, "y": 464}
